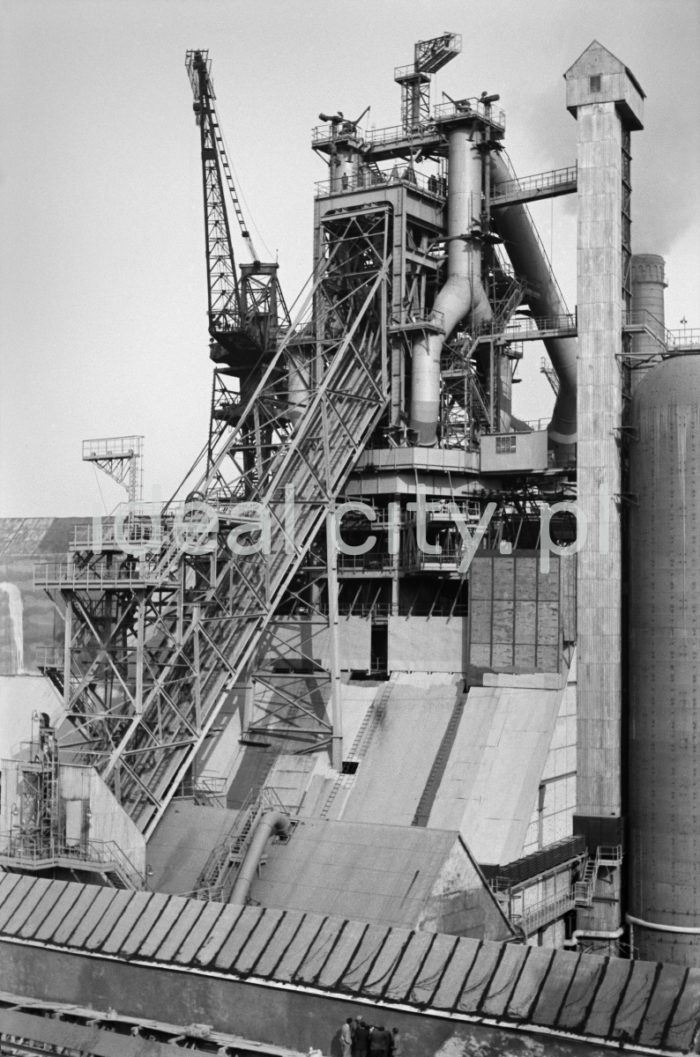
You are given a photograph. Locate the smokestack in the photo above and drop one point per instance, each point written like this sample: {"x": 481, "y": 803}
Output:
{"x": 647, "y": 307}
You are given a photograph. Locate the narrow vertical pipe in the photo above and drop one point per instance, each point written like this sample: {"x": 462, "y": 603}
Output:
{"x": 196, "y": 614}
{"x": 334, "y": 649}
{"x": 248, "y": 695}
{"x": 140, "y": 639}
{"x": 67, "y": 646}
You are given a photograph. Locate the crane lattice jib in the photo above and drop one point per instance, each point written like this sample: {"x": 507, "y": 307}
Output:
{"x": 225, "y": 303}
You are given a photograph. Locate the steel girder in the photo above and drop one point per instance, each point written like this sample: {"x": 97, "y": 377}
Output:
{"x": 156, "y": 638}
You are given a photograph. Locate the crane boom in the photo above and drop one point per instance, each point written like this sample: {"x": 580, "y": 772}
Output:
{"x": 244, "y": 310}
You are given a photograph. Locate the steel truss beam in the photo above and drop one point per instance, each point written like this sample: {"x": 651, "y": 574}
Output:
{"x": 156, "y": 640}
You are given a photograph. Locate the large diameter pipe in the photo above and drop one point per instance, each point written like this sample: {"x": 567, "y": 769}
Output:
{"x": 463, "y": 290}
{"x": 271, "y": 822}
{"x": 514, "y": 224}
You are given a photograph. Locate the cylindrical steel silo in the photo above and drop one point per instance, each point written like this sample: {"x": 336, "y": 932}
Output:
{"x": 664, "y": 663}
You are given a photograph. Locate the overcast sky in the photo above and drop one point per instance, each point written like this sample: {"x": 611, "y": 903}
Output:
{"x": 103, "y": 276}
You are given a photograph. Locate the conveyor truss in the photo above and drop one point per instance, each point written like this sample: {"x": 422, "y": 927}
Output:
{"x": 158, "y": 632}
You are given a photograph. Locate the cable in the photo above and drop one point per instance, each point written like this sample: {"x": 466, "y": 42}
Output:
{"x": 99, "y": 489}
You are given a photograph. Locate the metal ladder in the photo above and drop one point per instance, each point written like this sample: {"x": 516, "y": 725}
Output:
{"x": 373, "y": 719}
{"x": 437, "y": 770}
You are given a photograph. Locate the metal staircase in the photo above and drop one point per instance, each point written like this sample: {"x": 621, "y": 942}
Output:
{"x": 605, "y": 856}
{"x": 154, "y": 654}
{"x": 221, "y": 868}
{"x": 437, "y": 770}
{"x": 373, "y": 719}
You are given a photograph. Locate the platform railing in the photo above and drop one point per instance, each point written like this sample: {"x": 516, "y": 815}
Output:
{"x": 535, "y": 182}
{"x": 466, "y": 107}
{"x": 544, "y": 912}
{"x": 30, "y": 852}
{"x": 361, "y": 181}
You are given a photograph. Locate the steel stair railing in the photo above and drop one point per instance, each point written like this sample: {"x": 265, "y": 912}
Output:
{"x": 222, "y": 866}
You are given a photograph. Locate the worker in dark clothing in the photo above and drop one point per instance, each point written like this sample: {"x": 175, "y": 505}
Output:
{"x": 379, "y": 1042}
{"x": 360, "y": 1042}
{"x": 396, "y": 1044}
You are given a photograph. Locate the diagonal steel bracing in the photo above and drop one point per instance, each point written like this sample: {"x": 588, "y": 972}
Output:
{"x": 160, "y": 630}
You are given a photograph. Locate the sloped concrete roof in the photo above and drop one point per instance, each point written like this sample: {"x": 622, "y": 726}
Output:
{"x": 603, "y": 999}
{"x": 391, "y": 778}
{"x": 389, "y": 875}
{"x": 490, "y": 784}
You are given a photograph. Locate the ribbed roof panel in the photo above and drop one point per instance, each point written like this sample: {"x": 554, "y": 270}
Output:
{"x": 651, "y": 1004}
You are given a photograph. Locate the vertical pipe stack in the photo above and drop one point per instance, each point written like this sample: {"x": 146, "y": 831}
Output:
{"x": 463, "y": 292}
{"x": 648, "y": 285}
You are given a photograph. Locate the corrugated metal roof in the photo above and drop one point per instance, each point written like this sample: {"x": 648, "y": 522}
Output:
{"x": 611, "y": 999}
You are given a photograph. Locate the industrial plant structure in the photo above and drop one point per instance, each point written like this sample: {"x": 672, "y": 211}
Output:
{"x": 392, "y": 709}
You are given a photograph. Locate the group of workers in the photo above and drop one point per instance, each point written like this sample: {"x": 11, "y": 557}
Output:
{"x": 359, "y": 1039}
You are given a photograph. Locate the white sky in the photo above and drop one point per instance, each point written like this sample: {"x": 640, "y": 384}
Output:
{"x": 103, "y": 276}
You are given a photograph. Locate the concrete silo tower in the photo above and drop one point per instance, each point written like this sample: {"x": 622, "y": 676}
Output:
{"x": 607, "y": 102}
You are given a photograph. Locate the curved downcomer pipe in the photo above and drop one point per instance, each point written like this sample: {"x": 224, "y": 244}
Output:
{"x": 514, "y": 225}
{"x": 271, "y": 822}
{"x": 593, "y": 934}
{"x": 462, "y": 291}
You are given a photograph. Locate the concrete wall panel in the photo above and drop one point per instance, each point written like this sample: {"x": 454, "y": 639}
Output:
{"x": 427, "y": 644}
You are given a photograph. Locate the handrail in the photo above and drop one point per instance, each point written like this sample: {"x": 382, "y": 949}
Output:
{"x": 97, "y": 577}
{"x": 466, "y": 107}
{"x": 687, "y": 338}
{"x": 39, "y": 853}
{"x": 360, "y": 181}
{"x": 460, "y": 108}
{"x": 535, "y": 182}
{"x": 534, "y": 917}
{"x": 48, "y": 657}
{"x": 609, "y": 853}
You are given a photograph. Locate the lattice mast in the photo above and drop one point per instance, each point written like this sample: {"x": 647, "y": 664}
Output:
{"x": 429, "y": 57}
